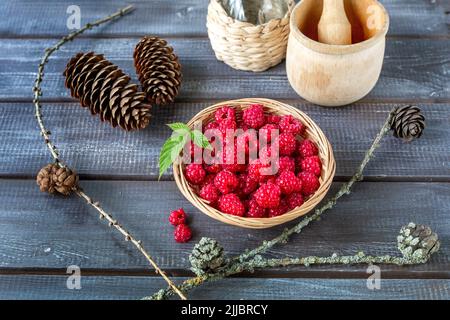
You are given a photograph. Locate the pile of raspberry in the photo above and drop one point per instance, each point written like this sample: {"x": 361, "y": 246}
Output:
{"x": 242, "y": 189}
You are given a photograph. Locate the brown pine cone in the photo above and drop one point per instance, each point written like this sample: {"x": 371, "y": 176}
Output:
{"x": 408, "y": 123}
{"x": 54, "y": 179}
{"x": 106, "y": 90}
{"x": 158, "y": 70}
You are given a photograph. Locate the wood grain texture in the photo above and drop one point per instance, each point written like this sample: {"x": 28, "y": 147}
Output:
{"x": 182, "y": 17}
{"x": 98, "y": 287}
{"x": 413, "y": 69}
{"x": 42, "y": 231}
{"x": 97, "y": 150}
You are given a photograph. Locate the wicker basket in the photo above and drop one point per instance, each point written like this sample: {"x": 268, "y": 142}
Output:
{"x": 245, "y": 46}
{"x": 313, "y": 132}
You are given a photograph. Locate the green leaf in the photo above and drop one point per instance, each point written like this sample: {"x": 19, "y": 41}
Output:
{"x": 170, "y": 151}
{"x": 179, "y": 126}
{"x": 200, "y": 140}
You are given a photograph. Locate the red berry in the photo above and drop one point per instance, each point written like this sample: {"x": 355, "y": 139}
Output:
{"x": 268, "y": 195}
{"x": 210, "y": 193}
{"x": 265, "y": 153}
{"x": 247, "y": 184}
{"x": 212, "y": 168}
{"x": 286, "y": 164}
{"x": 260, "y": 171}
{"x": 294, "y": 200}
{"x": 231, "y": 161}
{"x": 274, "y": 119}
{"x": 255, "y": 211}
{"x": 280, "y": 210}
{"x": 226, "y": 181}
{"x": 210, "y": 126}
{"x": 209, "y": 179}
{"x": 267, "y": 131}
{"x": 182, "y": 233}
{"x": 288, "y": 182}
{"x": 307, "y": 148}
{"x": 231, "y": 204}
{"x": 249, "y": 142}
{"x": 310, "y": 183}
{"x": 195, "y": 173}
{"x": 287, "y": 144}
{"x": 177, "y": 217}
{"x": 288, "y": 124}
{"x": 226, "y": 125}
{"x": 225, "y": 113}
{"x": 254, "y": 116}
{"x": 312, "y": 164}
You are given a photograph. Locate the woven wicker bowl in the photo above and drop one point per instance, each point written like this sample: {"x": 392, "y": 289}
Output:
{"x": 243, "y": 45}
{"x": 313, "y": 132}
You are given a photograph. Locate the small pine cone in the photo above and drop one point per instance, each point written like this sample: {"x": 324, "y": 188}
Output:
{"x": 417, "y": 241}
{"x": 158, "y": 70}
{"x": 206, "y": 256}
{"x": 54, "y": 179}
{"x": 106, "y": 90}
{"x": 408, "y": 123}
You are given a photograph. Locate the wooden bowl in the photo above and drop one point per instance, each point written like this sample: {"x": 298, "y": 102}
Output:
{"x": 336, "y": 75}
{"x": 313, "y": 132}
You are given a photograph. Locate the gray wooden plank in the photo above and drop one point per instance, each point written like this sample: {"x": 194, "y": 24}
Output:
{"x": 97, "y": 150}
{"x": 413, "y": 69}
{"x": 182, "y": 17}
{"x": 50, "y": 232}
{"x": 38, "y": 287}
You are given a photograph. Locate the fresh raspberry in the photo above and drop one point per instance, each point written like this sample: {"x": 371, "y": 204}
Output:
{"x": 226, "y": 181}
{"x": 177, "y": 217}
{"x": 288, "y": 124}
{"x": 307, "y": 148}
{"x": 280, "y": 210}
{"x": 182, "y": 233}
{"x": 259, "y": 171}
{"x": 267, "y": 131}
{"x": 287, "y": 144}
{"x": 273, "y": 119}
{"x": 249, "y": 142}
{"x": 211, "y": 126}
{"x": 288, "y": 182}
{"x": 255, "y": 211}
{"x": 212, "y": 168}
{"x": 254, "y": 116}
{"x": 210, "y": 193}
{"x": 294, "y": 200}
{"x": 312, "y": 164}
{"x": 286, "y": 164}
{"x": 234, "y": 164}
{"x": 225, "y": 113}
{"x": 247, "y": 184}
{"x": 310, "y": 183}
{"x": 268, "y": 195}
{"x": 195, "y": 173}
{"x": 265, "y": 154}
{"x": 231, "y": 204}
{"x": 209, "y": 179}
{"x": 227, "y": 125}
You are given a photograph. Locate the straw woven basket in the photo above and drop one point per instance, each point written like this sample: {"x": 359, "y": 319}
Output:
{"x": 246, "y": 46}
{"x": 313, "y": 132}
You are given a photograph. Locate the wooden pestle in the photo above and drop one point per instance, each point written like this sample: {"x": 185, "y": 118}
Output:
{"x": 334, "y": 27}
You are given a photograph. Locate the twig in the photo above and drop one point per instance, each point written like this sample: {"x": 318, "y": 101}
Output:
{"x": 54, "y": 151}
{"x": 284, "y": 236}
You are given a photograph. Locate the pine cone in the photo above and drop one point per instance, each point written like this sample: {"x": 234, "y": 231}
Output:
{"x": 408, "y": 123}
{"x": 105, "y": 90}
{"x": 206, "y": 256}
{"x": 417, "y": 241}
{"x": 158, "y": 70}
{"x": 54, "y": 179}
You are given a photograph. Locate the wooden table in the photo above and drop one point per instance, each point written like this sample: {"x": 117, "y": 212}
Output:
{"x": 41, "y": 235}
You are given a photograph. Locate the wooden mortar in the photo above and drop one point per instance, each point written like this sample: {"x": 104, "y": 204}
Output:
{"x": 336, "y": 75}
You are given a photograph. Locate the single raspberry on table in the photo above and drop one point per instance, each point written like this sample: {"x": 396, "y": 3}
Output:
{"x": 253, "y": 116}
{"x": 226, "y": 181}
{"x": 280, "y": 210}
{"x": 225, "y": 113}
{"x": 182, "y": 233}
{"x": 288, "y": 182}
{"x": 231, "y": 204}
{"x": 288, "y": 124}
{"x": 273, "y": 119}
{"x": 307, "y": 148}
{"x": 266, "y": 131}
{"x": 255, "y": 211}
{"x": 294, "y": 200}
{"x": 310, "y": 183}
{"x": 268, "y": 195}
{"x": 177, "y": 217}
{"x": 195, "y": 173}
{"x": 312, "y": 164}
{"x": 287, "y": 144}
{"x": 286, "y": 164}
{"x": 210, "y": 193}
